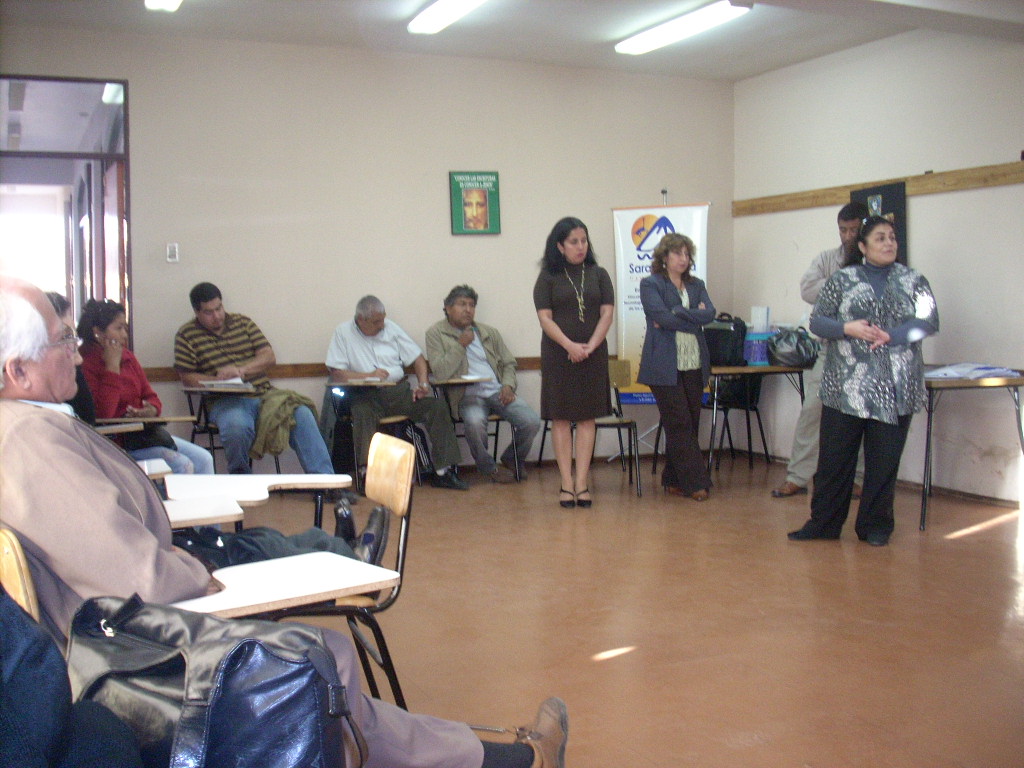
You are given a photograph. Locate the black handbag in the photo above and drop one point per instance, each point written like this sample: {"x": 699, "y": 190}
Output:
{"x": 725, "y": 336}
{"x": 200, "y": 691}
{"x": 151, "y": 436}
{"x": 794, "y": 347}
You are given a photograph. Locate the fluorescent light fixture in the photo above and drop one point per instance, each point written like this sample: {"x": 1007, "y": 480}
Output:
{"x": 113, "y": 93}
{"x": 440, "y": 14}
{"x": 681, "y": 28}
{"x": 163, "y": 5}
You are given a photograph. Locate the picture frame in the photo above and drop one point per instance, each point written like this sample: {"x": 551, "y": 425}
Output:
{"x": 889, "y": 201}
{"x": 475, "y": 202}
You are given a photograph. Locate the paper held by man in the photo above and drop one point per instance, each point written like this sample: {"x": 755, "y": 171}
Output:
{"x": 234, "y": 384}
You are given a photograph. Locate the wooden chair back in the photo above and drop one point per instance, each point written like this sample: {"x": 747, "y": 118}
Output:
{"x": 389, "y": 471}
{"x": 14, "y": 573}
{"x": 620, "y": 373}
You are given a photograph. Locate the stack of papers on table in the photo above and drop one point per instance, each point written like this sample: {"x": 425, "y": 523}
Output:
{"x": 969, "y": 371}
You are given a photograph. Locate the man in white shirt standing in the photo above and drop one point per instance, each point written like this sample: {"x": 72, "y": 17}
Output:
{"x": 803, "y": 458}
{"x": 372, "y": 347}
{"x": 459, "y": 346}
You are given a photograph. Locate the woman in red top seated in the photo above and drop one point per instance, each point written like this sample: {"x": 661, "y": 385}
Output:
{"x": 120, "y": 388}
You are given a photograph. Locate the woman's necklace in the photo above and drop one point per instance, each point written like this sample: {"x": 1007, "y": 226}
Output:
{"x": 579, "y": 293}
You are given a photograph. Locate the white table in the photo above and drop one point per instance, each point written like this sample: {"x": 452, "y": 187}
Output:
{"x": 155, "y": 469}
{"x": 252, "y": 490}
{"x": 287, "y": 582}
{"x": 210, "y": 511}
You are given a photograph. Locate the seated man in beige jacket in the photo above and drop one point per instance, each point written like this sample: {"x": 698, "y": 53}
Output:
{"x": 460, "y": 346}
{"x": 92, "y": 524}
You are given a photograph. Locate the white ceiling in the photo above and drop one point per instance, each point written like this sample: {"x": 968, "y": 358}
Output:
{"x": 576, "y": 33}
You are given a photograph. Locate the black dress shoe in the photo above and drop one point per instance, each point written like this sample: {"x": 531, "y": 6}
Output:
{"x": 567, "y": 503}
{"x": 585, "y": 503}
{"x": 809, "y": 534}
{"x": 373, "y": 540}
{"x": 877, "y": 539}
{"x": 449, "y": 480}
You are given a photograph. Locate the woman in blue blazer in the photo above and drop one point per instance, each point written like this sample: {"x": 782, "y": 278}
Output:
{"x": 675, "y": 362}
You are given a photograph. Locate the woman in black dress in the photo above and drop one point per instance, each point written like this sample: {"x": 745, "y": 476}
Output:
{"x": 575, "y": 302}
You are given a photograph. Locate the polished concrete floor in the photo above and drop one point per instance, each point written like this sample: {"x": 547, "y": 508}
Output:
{"x": 687, "y": 634}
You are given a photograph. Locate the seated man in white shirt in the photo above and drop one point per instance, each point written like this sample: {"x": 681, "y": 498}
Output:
{"x": 372, "y": 347}
{"x": 459, "y": 346}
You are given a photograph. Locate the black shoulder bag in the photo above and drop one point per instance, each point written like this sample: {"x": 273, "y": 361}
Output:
{"x": 201, "y": 691}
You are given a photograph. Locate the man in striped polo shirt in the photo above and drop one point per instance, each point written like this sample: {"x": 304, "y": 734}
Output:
{"x": 219, "y": 345}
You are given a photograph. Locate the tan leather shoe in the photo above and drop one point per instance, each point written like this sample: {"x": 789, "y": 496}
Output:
{"x": 788, "y": 489}
{"x": 701, "y": 495}
{"x": 548, "y": 734}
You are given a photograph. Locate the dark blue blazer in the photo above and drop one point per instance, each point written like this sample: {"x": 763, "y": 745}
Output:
{"x": 663, "y": 306}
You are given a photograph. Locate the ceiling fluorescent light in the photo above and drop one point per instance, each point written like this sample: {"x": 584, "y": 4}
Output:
{"x": 679, "y": 29}
{"x": 440, "y": 14}
{"x": 163, "y": 5}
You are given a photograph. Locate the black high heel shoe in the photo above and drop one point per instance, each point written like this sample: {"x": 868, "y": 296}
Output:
{"x": 568, "y": 504}
{"x": 585, "y": 503}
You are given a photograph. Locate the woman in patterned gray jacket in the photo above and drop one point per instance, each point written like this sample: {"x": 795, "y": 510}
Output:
{"x": 874, "y": 313}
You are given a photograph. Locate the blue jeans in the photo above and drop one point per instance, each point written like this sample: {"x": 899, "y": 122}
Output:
{"x": 474, "y": 411}
{"x": 236, "y": 417}
{"x": 186, "y": 459}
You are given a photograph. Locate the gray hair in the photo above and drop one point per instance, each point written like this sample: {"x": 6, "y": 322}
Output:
{"x": 460, "y": 292}
{"x": 23, "y": 334}
{"x": 369, "y": 305}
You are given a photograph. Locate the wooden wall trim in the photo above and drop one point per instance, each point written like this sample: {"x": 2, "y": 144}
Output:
{"x": 311, "y": 370}
{"x": 924, "y": 184}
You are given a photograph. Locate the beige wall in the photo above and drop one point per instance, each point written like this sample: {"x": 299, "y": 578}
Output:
{"x": 300, "y": 178}
{"x": 899, "y": 107}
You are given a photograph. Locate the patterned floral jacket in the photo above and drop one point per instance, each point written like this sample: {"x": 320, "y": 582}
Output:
{"x": 888, "y": 382}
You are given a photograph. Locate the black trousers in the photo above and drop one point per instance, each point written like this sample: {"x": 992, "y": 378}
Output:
{"x": 839, "y": 439}
{"x": 679, "y": 406}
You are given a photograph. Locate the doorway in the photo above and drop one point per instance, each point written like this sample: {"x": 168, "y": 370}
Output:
{"x": 64, "y": 214}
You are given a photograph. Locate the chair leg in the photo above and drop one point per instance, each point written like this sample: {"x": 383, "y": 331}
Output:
{"x": 380, "y": 654}
{"x": 726, "y": 430}
{"x": 750, "y": 442}
{"x": 543, "y": 436}
{"x": 515, "y": 450}
{"x": 318, "y": 508}
{"x": 764, "y": 443}
{"x": 364, "y": 660}
{"x": 622, "y": 454}
{"x": 634, "y": 450}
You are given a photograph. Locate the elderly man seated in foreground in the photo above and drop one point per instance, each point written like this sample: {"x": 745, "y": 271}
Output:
{"x": 80, "y": 505}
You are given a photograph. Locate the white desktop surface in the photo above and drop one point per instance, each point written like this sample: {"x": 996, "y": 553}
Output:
{"x": 247, "y": 490}
{"x": 154, "y": 468}
{"x": 287, "y": 582}
{"x": 202, "y": 511}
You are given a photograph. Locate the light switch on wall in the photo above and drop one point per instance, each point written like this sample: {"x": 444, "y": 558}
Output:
{"x": 172, "y": 253}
